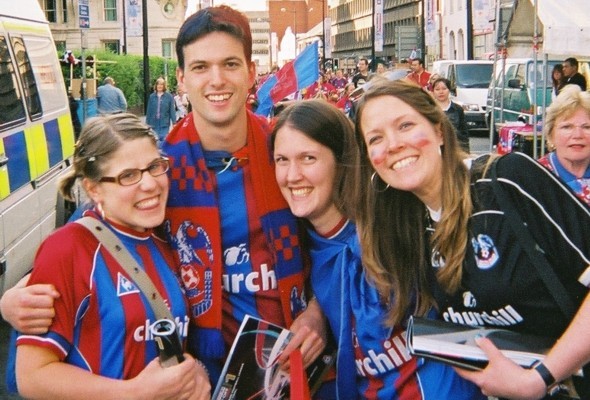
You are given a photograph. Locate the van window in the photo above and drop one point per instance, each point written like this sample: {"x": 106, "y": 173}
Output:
{"x": 474, "y": 75}
{"x": 509, "y": 73}
{"x": 521, "y": 73}
{"x": 11, "y": 104}
{"x": 47, "y": 73}
{"x": 27, "y": 77}
{"x": 541, "y": 73}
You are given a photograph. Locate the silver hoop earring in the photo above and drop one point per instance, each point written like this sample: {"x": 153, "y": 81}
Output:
{"x": 375, "y": 186}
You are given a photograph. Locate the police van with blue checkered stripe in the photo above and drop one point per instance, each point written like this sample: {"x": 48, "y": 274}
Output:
{"x": 36, "y": 136}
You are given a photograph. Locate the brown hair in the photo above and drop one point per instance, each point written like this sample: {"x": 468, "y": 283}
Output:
{"x": 327, "y": 125}
{"x": 392, "y": 223}
{"x": 100, "y": 137}
{"x": 214, "y": 19}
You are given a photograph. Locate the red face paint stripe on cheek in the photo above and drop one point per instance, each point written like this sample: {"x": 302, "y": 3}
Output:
{"x": 377, "y": 156}
{"x": 420, "y": 139}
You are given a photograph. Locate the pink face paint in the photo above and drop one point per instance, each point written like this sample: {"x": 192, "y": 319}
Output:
{"x": 377, "y": 156}
{"x": 420, "y": 139}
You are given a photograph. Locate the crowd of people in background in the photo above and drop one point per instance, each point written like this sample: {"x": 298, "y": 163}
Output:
{"x": 364, "y": 208}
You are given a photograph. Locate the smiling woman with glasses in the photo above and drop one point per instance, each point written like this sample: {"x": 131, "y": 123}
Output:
{"x": 567, "y": 129}
{"x": 100, "y": 307}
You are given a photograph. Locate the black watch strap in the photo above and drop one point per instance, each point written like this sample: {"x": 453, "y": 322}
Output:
{"x": 546, "y": 375}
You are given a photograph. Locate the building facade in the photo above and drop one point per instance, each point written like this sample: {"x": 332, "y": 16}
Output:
{"x": 108, "y": 29}
{"x": 352, "y": 31}
{"x": 406, "y": 34}
{"x": 261, "y": 40}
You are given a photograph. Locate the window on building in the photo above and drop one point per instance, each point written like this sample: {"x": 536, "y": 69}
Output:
{"x": 60, "y": 46}
{"x": 50, "y": 10}
{"x": 64, "y": 10}
{"x": 110, "y": 10}
{"x": 168, "y": 48}
{"x": 112, "y": 46}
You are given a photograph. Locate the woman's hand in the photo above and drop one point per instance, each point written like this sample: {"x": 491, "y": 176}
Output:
{"x": 185, "y": 381}
{"x": 310, "y": 335}
{"x": 504, "y": 378}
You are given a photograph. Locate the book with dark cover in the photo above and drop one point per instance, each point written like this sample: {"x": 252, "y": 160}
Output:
{"x": 252, "y": 371}
{"x": 455, "y": 344}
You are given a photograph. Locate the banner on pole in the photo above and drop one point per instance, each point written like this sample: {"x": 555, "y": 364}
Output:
{"x": 133, "y": 18}
{"x": 378, "y": 22}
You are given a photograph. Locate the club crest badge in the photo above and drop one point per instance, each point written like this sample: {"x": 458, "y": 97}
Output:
{"x": 486, "y": 254}
{"x": 125, "y": 286}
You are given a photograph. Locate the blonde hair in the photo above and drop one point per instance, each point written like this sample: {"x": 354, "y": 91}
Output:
{"x": 162, "y": 81}
{"x": 570, "y": 99}
{"x": 392, "y": 223}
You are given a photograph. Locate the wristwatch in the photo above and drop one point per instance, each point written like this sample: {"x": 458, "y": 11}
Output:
{"x": 547, "y": 377}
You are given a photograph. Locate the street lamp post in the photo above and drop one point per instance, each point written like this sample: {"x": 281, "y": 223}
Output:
{"x": 323, "y": 32}
{"x": 294, "y": 12}
{"x": 146, "y": 59}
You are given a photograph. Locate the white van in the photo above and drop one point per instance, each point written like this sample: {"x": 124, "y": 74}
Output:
{"x": 36, "y": 136}
{"x": 470, "y": 80}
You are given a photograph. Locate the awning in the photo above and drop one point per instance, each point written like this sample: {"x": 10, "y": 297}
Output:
{"x": 566, "y": 27}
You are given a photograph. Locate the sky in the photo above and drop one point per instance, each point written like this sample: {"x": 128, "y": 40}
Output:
{"x": 242, "y": 5}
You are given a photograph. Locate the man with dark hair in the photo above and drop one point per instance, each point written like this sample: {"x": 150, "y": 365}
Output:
{"x": 419, "y": 75}
{"x": 245, "y": 240}
{"x": 571, "y": 74}
{"x": 361, "y": 77}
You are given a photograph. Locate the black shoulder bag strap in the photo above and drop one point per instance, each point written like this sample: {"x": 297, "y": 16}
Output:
{"x": 535, "y": 253}
{"x": 108, "y": 239}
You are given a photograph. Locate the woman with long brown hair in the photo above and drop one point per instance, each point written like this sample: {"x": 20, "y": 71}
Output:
{"x": 437, "y": 228}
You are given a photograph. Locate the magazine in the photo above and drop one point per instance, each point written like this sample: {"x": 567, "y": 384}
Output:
{"x": 252, "y": 371}
{"x": 455, "y": 344}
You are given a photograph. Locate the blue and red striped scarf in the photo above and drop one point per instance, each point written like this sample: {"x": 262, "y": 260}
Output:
{"x": 194, "y": 230}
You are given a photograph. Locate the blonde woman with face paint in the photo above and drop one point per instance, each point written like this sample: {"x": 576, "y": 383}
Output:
{"x": 433, "y": 232}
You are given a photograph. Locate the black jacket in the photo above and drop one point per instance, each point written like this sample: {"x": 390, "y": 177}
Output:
{"x": 456, "y": 115}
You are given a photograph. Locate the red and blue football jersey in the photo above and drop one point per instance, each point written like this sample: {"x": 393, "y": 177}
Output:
{"x": 249, "y": 281}
{"x": 102, "y": 319}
